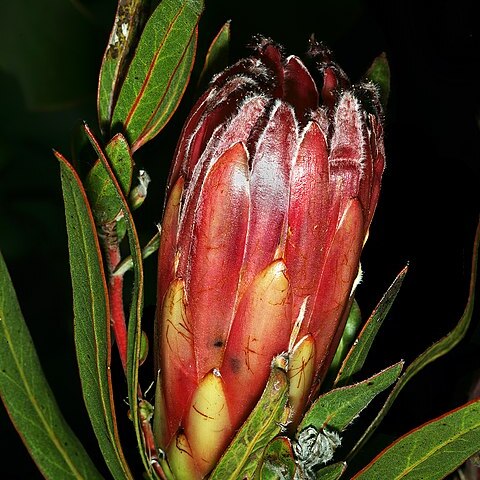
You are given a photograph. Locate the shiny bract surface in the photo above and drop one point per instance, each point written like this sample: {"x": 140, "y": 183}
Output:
{"x": 273, "y": 188}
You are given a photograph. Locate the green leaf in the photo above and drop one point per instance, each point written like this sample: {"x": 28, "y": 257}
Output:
{"x": 432, "y": 451}
{"x": 354, "y": 321}
{"x": 159, "y": 71}
{"x": 358, "y": 353}
{"x": 101, "y": 193}
{"x": 136, "y": 308}
{"x": 331, "y": 472}
{"x": 437, "y": 350}
{"x": 92, "y": 319}
{"x": 148, "y": 249}
{"x": 337, "y": 408}
{"x": 29, "y": 400}
{"x": 278, "y": 462}
{"x": 379, "y": 73}
{"x": 128, "y": 21}
{"x": 264, "y": 423}
{"x": 217, "y": 56}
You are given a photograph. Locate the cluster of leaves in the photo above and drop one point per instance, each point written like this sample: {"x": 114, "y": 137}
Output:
{"x": 145, "y": 71}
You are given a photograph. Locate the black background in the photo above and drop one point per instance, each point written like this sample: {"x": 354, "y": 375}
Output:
{"x": 50, "y": 54}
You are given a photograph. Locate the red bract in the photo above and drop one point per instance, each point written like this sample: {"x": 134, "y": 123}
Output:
{"x": 270, "y": 199}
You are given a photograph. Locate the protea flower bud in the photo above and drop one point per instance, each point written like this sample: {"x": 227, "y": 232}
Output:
{"x": 270, "y": 198}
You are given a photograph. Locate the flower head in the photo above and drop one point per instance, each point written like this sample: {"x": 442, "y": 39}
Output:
{"x": 275, "y": 181}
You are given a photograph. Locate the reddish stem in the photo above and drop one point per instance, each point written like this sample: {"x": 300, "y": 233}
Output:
{"x": 150, "y": 446}
{"x": 119, "y": 326}
{"x": 115, "y": 293}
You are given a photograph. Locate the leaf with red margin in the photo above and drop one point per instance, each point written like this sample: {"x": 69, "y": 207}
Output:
{"x": 159, "y": 71}
{"x": 217, "y": 56}
{"x": 91, "y": 319}
{"x": 29, "y": 400}
{"x": 435, "y": 351}
{"x": 358, "y": 353}
{"x": 432, "y": 451}
{"x": 103, "y": 200}
{"x": 136, "y": 307}
{"x": 338, "y": 408}
{"x": 128, "y": 20}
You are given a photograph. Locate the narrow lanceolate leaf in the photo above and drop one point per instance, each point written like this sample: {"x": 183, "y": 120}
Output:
{"x": 331, "y": 472}
{"x": 358, "y": 353}
{"x": 264, "y": 423}
{"x": 92, "y": 319}
{"x": 431, "y": 451}
{"x": 338, "y": 408}
{"x": 101, "y": 194}
{"x": 435, "y": 351}
{"x": 159, "y": 71}
{"x": 128, "y": 20}
{"x": 29, "y": 400}
{"x": 217, "y": 56}
{"x": 136, "y": 307}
